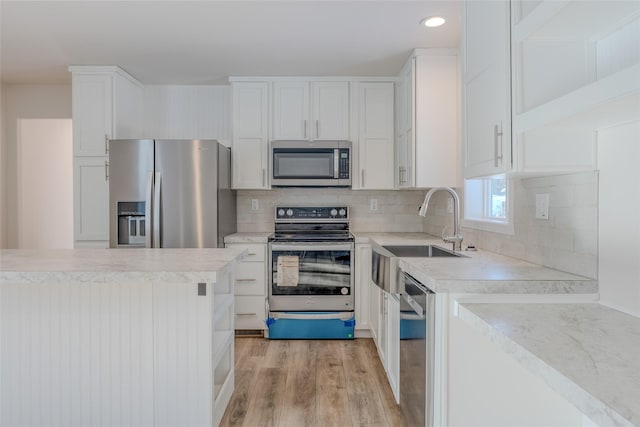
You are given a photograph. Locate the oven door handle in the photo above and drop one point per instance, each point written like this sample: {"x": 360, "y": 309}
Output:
{"x": 318, "y": 246}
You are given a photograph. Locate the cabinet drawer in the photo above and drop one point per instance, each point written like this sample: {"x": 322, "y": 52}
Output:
{"x": 250, "y": 278}
{"x": 256, "y": 251}
{"x": 250, "y": 312}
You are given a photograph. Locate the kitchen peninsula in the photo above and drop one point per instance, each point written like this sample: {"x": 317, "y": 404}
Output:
{"x": 123, "y": 337}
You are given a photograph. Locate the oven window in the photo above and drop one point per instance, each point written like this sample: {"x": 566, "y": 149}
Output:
{"x": 316, "y": 163}
{"x": 311, "y": 272}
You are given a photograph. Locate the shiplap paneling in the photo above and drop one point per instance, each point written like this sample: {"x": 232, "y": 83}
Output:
{"x": 76, "y": 354}
{"x": 182, "y": 347}
{"x": 187, "y": 112}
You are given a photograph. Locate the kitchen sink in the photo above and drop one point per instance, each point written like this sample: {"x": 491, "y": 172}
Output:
{"x": 385, "y": 268}
{"x": 422, "y": 251}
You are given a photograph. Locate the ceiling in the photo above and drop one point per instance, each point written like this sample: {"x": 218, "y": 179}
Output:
{"x": 204, "y": 42}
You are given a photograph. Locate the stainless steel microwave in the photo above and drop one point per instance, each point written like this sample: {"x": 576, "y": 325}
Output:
{"x": 311, "y": 163}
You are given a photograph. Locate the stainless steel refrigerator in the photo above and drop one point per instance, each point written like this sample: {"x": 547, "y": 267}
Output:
{"x": 170, "y": 193}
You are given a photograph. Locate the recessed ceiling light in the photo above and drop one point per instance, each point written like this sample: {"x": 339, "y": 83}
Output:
{"x": 433, "y": 21}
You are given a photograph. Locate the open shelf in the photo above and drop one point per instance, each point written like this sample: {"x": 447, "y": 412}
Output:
{"x": 571, "y": 19}
{"x": 612, "y": 100}
{"x": 222, "y": 302}
{"x": 222, "y": 340}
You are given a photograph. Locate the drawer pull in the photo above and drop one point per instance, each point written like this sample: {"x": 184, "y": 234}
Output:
{"x": 246, "y": 280}
{"x": 246, "y": 314}
{"x": 251, "y": 253}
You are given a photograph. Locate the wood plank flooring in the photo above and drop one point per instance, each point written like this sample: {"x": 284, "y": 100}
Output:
{"x": 292, "y": 383}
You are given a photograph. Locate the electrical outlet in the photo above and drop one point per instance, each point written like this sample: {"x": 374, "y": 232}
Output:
{"x": 542, "y": 206}
{"x": 373, "y": 204}
{"x": 449, "y": 205}
{"x": 254, "y": 205}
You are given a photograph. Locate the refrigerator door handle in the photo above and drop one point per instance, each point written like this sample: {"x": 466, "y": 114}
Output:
{"x": 147, "y": 210}
{"x": 156, "y": 210}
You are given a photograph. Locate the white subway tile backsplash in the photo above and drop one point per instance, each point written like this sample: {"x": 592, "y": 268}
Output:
{"x": 397, "y": 210}
{"x": 566, "y": 241}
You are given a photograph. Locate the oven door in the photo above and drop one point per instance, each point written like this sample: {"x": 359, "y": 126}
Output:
{"x": 307, "y": 276}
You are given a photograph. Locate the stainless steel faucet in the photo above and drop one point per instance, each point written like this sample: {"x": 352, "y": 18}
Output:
{"x": 456, "y": 239}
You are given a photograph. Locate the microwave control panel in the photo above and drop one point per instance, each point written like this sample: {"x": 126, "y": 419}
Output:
{"x": 343, "y": 163}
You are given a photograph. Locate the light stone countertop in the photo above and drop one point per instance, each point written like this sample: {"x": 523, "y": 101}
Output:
{"x": 588, "y": 353}
{"x": 480, "y": 271}
{"x": 101, "y": 265}
{"x": 248, "y": 237}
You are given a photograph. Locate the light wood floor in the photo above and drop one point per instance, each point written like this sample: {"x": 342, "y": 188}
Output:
{"x": 310, "y": 383}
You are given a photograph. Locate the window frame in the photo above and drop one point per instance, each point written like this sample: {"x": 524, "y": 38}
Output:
{"x": 484, "y": 222}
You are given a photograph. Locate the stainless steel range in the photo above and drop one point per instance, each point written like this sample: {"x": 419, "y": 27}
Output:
{"x": 311, "y": 260}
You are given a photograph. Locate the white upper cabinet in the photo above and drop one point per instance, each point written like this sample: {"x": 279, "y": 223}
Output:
{"x": 576, "y": 68}
{"x": 250, "y": 146}
{"x": 427, "y": 139}
{"x": 92, "y": 104}
{"x": 375, "y": 136}
{"x": 310, "y": 110}
{"x": 330, "y": 110}
{"x": 107, "y": 104}
{"x": 486, "y": 113}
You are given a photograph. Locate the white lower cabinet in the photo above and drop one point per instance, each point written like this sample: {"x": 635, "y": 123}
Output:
{"x": 250, "y": 287}
{"x": 384, "y": 316}
{"x": 91, "y": 201}
{"x": 362, "y": 287}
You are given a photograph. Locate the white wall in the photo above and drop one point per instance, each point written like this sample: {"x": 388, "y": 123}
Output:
{"x": 45, "y": 184}
{"x": 619, "y": 226}
{"x": 24, "y": 102}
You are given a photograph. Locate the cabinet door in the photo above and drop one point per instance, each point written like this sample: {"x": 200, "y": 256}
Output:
{"x": 249, "y": 154}
{"x": 404, "y": 126}
{"x": 363, "y": 278}
{"x": 376, "y": 148}
{"x": 91, "y": 199}
{"x": 92, "y": 113}
{"x": 291, "y": 111}
{"x": 330, "y": 111}
{"x": 383, "y": 328}
{"x": 374, "y": 311}
{"x": 393, "y": 344}
{"x": 486, "y": 88}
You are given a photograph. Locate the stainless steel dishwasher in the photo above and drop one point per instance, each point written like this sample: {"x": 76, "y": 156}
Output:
{"x": 417, "y": 317}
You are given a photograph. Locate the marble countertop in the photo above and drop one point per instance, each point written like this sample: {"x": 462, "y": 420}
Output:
{"x": 480, "y": 271}
{"x": 98, "y": 265}
{"x": 248, "y": 237}
{"x": 588, "y": 353}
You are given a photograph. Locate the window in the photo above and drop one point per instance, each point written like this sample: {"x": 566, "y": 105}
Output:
{"x": 487, "y": 204}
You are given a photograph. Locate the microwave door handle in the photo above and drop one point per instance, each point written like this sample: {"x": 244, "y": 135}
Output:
{"x": 147, "y": 210}
{"x": 336, "y": 163}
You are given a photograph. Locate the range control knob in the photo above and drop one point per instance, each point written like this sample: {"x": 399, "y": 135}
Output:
{"x": 334, "y": 212}
{"x": 343, "y": 212}
{"x": 280, "y": 212}
{"x": 290, "y": 212}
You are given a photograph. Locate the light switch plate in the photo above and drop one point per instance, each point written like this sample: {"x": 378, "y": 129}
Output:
{"x": 254, "y": 204}
{"x": 542, "y": 206}
{"x": 373, "y": 204}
